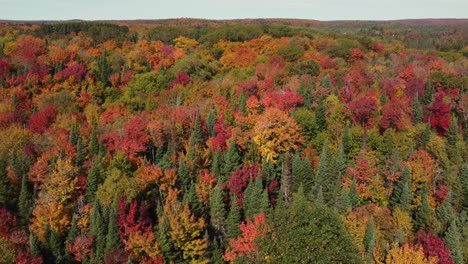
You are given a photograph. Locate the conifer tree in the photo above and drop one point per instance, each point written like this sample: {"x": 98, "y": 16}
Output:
{"x": 452, "y": 238}
{"x": 216, "y": 166}
{"x": 93, "y": 147}
{"x": 80, "y": 153}
{"x": 98, "y": 229}
{"x": 34, "y": 245}
{"x": 353, "y": 194}
{"x": 74, "y": 134}
{"x": 345, "y": 140}
{"x": 322, "y": 174}
{"x": 5, "y": 188}
{"x": 183, "y": 181}
{"x": 401, "y": 196}
{"x": 196, "y": 138}
{"x": 417, "y": 111}
{"x": 320, "y": 119}
{"x": 95, "y": 177}
{"x": 231, "y": 160}
{"x": 25, "y": 201}
{"x": 112, "y": 237}
{"x": 301, "y": 173}
{"x": 369, "y": 239}
{"x": 423, "y": 217}
{"x": 218, "y": 212}
{"x": 210, "y": 123}
{"x": 252, "y": 196}
{"x": 233, "y": 220}
{"x": 56, "y": 247}
{"x": 73, "y": 232}
{"x": 343, "y": 202}
{"x": 428, "y": 94}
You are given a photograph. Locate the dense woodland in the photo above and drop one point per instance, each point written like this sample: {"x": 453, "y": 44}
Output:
{"x": 210, "y": 142}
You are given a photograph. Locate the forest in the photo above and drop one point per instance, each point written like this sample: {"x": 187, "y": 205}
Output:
{"x": 245, "y": 141}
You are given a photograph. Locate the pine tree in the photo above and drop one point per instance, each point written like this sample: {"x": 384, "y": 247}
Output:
{"x": 428, "y": 94}
{"x": 216, "y": 166}
{"x": 452, "y": 150}
{"x": 233, "y": 220}
{"x": 452, "y": 238}
{"x": 444, "y": 212}
{"x": 243, "y": 103}
{"x": 80, "y": 153}
{"x": 196, "y": 138}
{"x": 401, "y": 196}
{"x": 210, "y": 123}
{"x": 426, "y": 135}
{"x": 463, "y": 179}
{"x": 320, "y": 119}
{"x": 302, "y": 173}
{"x": 95, "y": 177}
{"x": 194, "y": 203}
{"x": 73, "y": 232}
{"x": 56, "y": 247}
{"x": 344, "y": 203}
{"x": 112, "y": 237}
{"x": 353, "y": 194}
{"x": 5, "y": 188}
{"x": 400, "y": 237}
{"x": 321, "y": 179}
{"x": 218, "y": 212}
{"x": 345, "y": 140}
{"x": 319, "y": 200}
{"x": 34, "y": 245}
{"x": 93, "y": 146}
{"x": 25, "y": 201}
{"x": 231, "y": 160}
{"x": 74, "y": 134}
{"x": 417, "y": 111}
{"x": 252, "y": 196}
{"x": 423, "y": 217}
{"x": 265, "y": 202}
{"x": 369, "y": 239}
{"x": 98, "y": 229}
{"x": 183, "y": 181}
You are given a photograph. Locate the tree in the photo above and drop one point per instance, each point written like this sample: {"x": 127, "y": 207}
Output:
{"x": 401, "y": 196}
{"x": 361, "y": 111}
{"x": 408, "y": 254}
{"x": 252, "y": 196}
{"x": 440, "y": 114}
{"x": 433, "y": 246}
{"x": 276, "y": 133}
{"x": 370, "y": 240}
{"x": 233, "y": 219}
{"x": 231, "y": 160}
{"x": 302, "y": 173}
{"x": 25, "y": 201}
{"x": 218, "y": 212}
{"x": 452, "y": 239}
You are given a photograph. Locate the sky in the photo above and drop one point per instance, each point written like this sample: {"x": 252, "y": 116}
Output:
{"x": 231, "y": 9}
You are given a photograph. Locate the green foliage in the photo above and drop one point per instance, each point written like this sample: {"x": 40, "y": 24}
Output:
{"x": 302, "y": 173}
{"x": 401, "y": 196}
{"x": 233, "y": 219}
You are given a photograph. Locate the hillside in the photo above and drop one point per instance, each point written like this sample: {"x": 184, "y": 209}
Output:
{"x": 234, "y": 141}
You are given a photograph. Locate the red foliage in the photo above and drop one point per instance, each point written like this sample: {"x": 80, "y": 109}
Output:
{"x": 362, "y": 110}
{"x": 408, "y": 73}
{"x": 131, "y": 220}
{"x": 244, "y": 245}
{"x": 433, "y": 246}
{"x": 239, "y": 181}
{"x": 223, "y": 133}
{"x": 393, "y": 115}
{"x": 7, "y": 222}
{"x": 439, "y": 117}
{"x": 76, "y": 70}
{"x": 285, "y": 100}
{"x": 81, "y": 246}
{"x": 24, "y": 257}
{"x": 357, "y": 54}
{"x": 182, "y": 79}
{"x": 4, "y": 69}
{"x": 40, "y": 121}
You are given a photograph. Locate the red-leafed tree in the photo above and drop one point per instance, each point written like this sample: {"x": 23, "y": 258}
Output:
{"x": 394, "y": 115}
{"x": 285, "y": 100}
{"x": 24, "y": 257}
{"x": 244, "y": 245}
{"x": 40, "y": 121}
{"x": 223, "y": 133}
{"x": 76, "y": 70}
{"x": 239, "y": 181}
{"x": 182, "y": 79}
{"x": 439, "y": 116}
{"x": 81, "y": 246}
{"x": 362, "y": 111}
{"x": 433, "y": 246}
{"x": 7, "y": 222}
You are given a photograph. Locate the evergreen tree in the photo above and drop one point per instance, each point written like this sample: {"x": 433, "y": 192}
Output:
{"x": 423, "y": 217}
{"x": 73, "y": 232}
{"x": 5, "y": 188}
{"x": 25, "y": 201}
{"x": 95, "y": 177}
{"x": 252, "y": 196}
{"x": 210, "y": 123}
{"x": 322, "y": 174}
{"x": 231, "y": 160}
{"x": 369, "y": 239}
{"x": 344, "y": 203}
{"x": 183, "y": 181}
{"x": 444, "y": 212}
{"x": 80, "y": 154}
{"x": 345, "y": 140}
{"x": 428, "y": 94}
{"x": 452, "y": 238}
{"x": 353, "y": 194}
{"x": 171, "y": 255}
{"x": 265, "y": 202}
{"x": 301, "y": 173}
{"x": 194, "y": 203}
{"x": 218, "y": 212}
{"x": 98, "y": 229}
{"x": 196, "y": 138}
{"x": 463, "y": 179}
{"x": 233, "y": 220}
{"x": 400, "y": 238}
{"x": 93, "y": 147}
{"x": 417, "y": 111}
{"x": 401, "y": 196}
{"x": 216, "y": 166}
{"x": 74, "y": 134}
{"x": 452, "y": 150}
{"x": 320, "y": 119}
{"x": 56, "y": 244}
{"x": 112, "y": 237}
{"x": 34, "y": 245}
{"x": 426, "y": 135}
{"x": 319, "y": 200}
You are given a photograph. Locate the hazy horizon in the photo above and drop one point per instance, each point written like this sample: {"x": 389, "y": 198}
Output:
{"x": 330, "y": 10}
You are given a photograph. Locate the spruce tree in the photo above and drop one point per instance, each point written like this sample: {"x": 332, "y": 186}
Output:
{"x": 428, "y": 94}
{"x": 252, "y": 196}
{"x": 34, "y": 245}
{"x": 194, "y": 203}
{"x": 80, "y": 154}
{"x": 74, "y": 134}
{"x": 5, "y": 188}
{"x": 452, "y": 239}
{"x": 369, "y": 239}
{"x": 95, "y": 177}
{"x": 423, "y": 217}
{"x": 93, "y": 146}
{"x": 183, "y": 181}
{"x": 343, "y": 203}
{"x": 112, "y": 237}
{"x": 233, "y": 219}
{"x": 401, "y": 196}
{"x": 56, "y": 244}
{"x": 218, "y": 212}
{"x": 25, "y": 201}
{"x": 321, "y": 179}
{"x": 265, "y": 202}
{"x": 210, "y": 123}
{"x": 216, "y": 166}
{"x": 302, "y": 173}
{"x": 353, "y": 194}
{"x": 98, "y": 229}
{"x": 345, "y": 140}
{"x": 196, "y": 138}
{"x": 320, "y": 119}
{"x": 73, "y": 232}
{"x": 417, "y": 111}
{"x": 231, "y": 160}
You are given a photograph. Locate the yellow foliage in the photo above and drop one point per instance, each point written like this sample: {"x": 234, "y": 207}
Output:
{"x": 275, "y": 133}
{"x": 184, "y": 43}
{"x": 402, "y": 220}
{"x": 408, "y": 254}
{"x": 13, "y": 139}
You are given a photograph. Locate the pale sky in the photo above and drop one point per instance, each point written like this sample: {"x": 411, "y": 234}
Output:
{"x": 224, "y": 9}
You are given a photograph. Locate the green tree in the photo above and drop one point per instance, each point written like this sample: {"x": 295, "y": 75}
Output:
{"x": 233, "y": 219}
{"x": 98, "y": 229}
{"x": 369, "y": 240}
{"x": 112, "y": 236}
{"x": 218, "y": 212}
{"x": 25, "y": 201}
{"x": 452, "y": 238}
{"x": 252, "y": 197}
{"x": 302, "y": 173}
{"x": 401, "y": 195}
{"x": 231, "y": 160}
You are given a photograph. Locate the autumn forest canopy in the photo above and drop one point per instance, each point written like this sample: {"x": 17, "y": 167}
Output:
{"x": 234, "y": 141}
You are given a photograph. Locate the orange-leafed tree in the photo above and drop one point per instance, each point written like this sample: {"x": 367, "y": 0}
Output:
{"x": 408, "y": 254}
